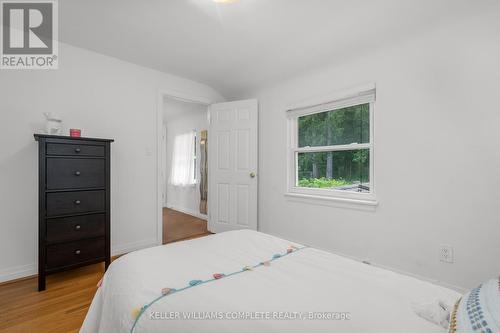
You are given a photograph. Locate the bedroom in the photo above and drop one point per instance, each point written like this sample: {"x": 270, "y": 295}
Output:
{"x": 421, "y": 211}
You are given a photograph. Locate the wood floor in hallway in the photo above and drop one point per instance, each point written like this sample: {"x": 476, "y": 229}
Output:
{"x": 180, "y": 226}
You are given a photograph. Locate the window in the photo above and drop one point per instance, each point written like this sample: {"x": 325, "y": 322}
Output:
{"x": 331, "y": 149}
{"x": 183, "y": 160}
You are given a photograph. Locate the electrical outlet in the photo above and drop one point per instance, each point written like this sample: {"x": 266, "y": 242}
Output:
{"x": 446, "y": 254}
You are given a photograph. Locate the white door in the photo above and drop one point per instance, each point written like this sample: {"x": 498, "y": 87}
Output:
{"x": 233, "y": 166}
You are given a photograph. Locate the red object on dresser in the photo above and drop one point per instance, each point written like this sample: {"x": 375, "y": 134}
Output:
{"x": 75, "y": 133}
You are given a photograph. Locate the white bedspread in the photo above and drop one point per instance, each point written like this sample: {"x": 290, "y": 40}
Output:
{"x": 305, "y": 281}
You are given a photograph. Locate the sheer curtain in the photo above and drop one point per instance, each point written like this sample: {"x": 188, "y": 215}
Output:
{"x": 183, "y": 160}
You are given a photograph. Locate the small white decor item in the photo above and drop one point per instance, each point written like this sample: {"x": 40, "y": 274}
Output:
{"x": 53, "y": 125}
{"x": 437, "y": 312}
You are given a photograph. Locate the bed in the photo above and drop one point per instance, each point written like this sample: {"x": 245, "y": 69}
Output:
{"x": 247, "y": 281}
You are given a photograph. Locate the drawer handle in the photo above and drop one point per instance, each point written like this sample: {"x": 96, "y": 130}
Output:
{"x": 78, "y": 227}
{"x": 77, "y": 202}
{"x": 77, "y": 150}
{"x": 77, "y": 173}
{"x": 78, "y": 252}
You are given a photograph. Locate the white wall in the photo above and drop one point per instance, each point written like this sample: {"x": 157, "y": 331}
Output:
{"x": 105, "y": 97}
{"x": 437, "y": 156}
{"x": 181, "y": 118}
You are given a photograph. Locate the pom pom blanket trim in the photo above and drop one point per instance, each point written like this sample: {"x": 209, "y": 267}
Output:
{"x": 137, "y": 313}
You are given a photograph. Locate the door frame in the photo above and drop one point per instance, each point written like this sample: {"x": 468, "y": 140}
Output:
{"x": 181, "y": 96}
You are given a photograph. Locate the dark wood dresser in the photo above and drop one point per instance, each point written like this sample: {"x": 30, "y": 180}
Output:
{"x": 74, "y": 203}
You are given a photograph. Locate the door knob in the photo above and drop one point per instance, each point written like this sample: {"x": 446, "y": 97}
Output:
{"x": 77, "y": 173}
{"x": 252, "y": 174}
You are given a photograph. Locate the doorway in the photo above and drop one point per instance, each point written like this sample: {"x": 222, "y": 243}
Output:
{"x": 232, "y": 178}
{"x": 184, "y": 170}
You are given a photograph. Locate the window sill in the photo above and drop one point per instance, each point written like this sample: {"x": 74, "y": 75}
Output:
{"x": 331, "y": 200}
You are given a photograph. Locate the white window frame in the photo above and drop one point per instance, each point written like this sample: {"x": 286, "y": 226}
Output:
{"x": 336, "y": 101}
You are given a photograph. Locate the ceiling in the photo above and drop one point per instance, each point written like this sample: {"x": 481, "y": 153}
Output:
{"x": 238, "y": 47}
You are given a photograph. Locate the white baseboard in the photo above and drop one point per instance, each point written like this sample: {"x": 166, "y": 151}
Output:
{"x": 189, "y": 212}
{"x": 18, "y": 272}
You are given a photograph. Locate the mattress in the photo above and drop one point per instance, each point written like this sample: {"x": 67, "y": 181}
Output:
{"x": 247, "y": 281}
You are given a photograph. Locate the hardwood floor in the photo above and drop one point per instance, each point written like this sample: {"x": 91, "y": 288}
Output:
{"x": 63, "y": 306}
{"x": 60, "y": 308}
{"x": 179, "y": 226}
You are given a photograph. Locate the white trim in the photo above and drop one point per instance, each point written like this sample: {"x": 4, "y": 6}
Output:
{"x": 329, "y": 200}
{"x": 350, "y": 97}
{"x": 210, "y": 136}
{"x": 329, "y": 193}
{"x": 163, "y": 156}
{"x": 18, "y": 272}
{"x": 30, "y": 270}
{"x": 352, "y": 146}
{"x": 187, "y": 211}
{"x": 330, "y": 97}
{"x": 185, "y": 97}
{"x": 363, "y": 98}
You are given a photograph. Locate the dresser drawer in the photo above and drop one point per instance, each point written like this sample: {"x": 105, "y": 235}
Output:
{"x": 68, "y": 173}
{"x": 66, "y": 254}
{"x": 65, "y": 203}
{"x": 68, "y": 149}
{"x": 74, "y": 228}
